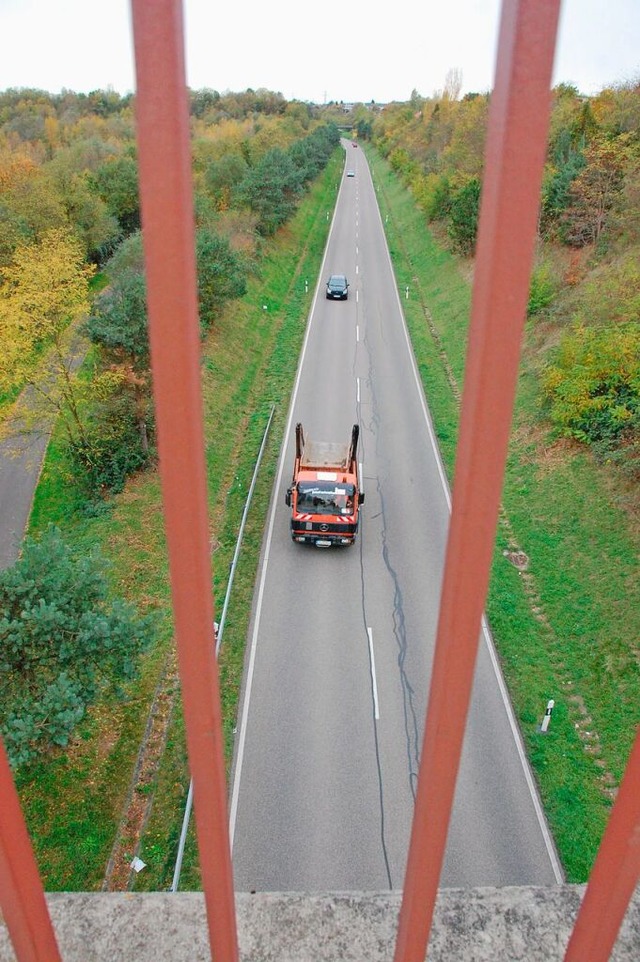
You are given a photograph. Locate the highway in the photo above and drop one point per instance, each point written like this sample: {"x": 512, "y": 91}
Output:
{"x": 340, "y": 646}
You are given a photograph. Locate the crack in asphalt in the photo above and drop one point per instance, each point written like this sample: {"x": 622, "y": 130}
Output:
{"x": 411, "y": 725}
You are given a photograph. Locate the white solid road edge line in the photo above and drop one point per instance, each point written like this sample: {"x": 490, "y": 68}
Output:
{"x": 374, "y": 683}
{"x": 517, "y": 737}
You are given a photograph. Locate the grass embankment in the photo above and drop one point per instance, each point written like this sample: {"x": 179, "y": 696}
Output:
{"x": 74, "y": 802}
{"x": 567, "y": 626}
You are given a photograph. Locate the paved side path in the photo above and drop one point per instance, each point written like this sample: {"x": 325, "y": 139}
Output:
{"x": 20, "y": 464}
{"x": 21, "y": 460}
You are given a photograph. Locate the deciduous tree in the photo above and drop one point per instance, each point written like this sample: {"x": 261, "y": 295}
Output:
{"x": 593, "y": 191}
{"x": 116, "y": 181}
{"x": 222, "y": 275}
{"x": 46, "y": 288}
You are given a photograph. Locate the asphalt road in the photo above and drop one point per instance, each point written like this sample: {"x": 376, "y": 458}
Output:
{"x": 341, "y": 643}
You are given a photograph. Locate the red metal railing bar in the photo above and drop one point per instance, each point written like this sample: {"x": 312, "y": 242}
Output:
{"x": 162, "y": 120}
{"x": 615, "y": 873}
{"x": 21, "y": 893}
{"x": 515, "y": 153}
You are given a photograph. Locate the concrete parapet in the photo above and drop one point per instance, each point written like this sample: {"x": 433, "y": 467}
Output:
{"x": 470, "y": 925}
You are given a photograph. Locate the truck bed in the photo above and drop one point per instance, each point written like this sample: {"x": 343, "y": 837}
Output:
{"x": 325, "y": 454}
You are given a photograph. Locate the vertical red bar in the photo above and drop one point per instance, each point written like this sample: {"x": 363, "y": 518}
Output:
{"x": 516, "y": 147}
{"x": 21, "y": 893}
{"x": 615, "y": 873}
{"x": 162, "y": 119}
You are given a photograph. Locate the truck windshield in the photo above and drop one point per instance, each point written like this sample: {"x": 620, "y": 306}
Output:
{"x": 325, "y": 497}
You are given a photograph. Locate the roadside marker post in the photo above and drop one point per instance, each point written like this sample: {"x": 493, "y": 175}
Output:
{"x": 547, "y": 716}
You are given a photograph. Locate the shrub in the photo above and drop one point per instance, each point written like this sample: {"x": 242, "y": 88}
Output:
{"x": 222, "y": 275}
{"x": 463, "y": 216}
{"x": 63, "y": 641}
{"x": 433, "y": 193}
{"x": 117, "y": 441}
{"x": 594, "y": 384}
{"x": 542, "y": 291}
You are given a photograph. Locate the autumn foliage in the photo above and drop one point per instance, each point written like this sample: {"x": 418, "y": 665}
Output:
{"x": 585, "y": 285}
{"x": 69, "y": 202}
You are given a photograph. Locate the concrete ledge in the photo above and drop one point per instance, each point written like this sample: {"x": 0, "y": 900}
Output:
{"x": 470, "y": 925}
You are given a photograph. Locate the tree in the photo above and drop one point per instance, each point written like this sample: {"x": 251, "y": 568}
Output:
{"x": 47, "y": 287}
{"x": 556, "y": 192}
{"x": 593, "y": 192}
{"x": 116, "y": 182}
{"x": 86, "y": 212}
{"x": 464, "y": 211}
{"x": 271, "y": 189}
{"x": 119, "y": 424}
{"x": 129, "y": 254}
{"x": 221, "y": 275}
{"x": 453, "y": 83}
{"x": 29, "y": 205}
{"x": 464, "y": 155}
{"x": 118, "y": 320}
{"x": 223, "y": 175}
{"x": 203, "y": 101}
{"x": 119, "y": 430}
{"x": 47, "y": 291}
{"x": 63, "y": 641}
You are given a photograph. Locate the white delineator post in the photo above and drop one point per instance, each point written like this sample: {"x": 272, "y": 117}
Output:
{"x": 547, "y": 715}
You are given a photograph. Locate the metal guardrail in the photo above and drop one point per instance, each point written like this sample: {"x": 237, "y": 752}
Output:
{"x": 189, "y": 803}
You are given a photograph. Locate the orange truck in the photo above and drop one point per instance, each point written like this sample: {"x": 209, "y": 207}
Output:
{"x": 325, "y": 495}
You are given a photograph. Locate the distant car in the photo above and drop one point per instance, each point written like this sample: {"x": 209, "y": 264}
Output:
{"x": 337, "y": 287}
{"x": 351, "y": 173}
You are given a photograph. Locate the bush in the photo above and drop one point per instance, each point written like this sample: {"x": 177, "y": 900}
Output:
{"x": 116, "y": 442}
{"x": 118, "y": 322}
{"x": 463, "y": 217}
{"x": 433, "y": 193}
{"x": 63, "y": 641}
{"x": 542, "y": 291}
{"x": 594, "y": 384}
{"x": 222, "y": 275}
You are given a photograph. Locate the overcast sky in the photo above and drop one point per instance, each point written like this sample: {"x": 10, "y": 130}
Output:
{"x": 310, "y": 51}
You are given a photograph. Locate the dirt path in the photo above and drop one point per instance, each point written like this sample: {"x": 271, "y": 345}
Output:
{"x": 119, "y": 874}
